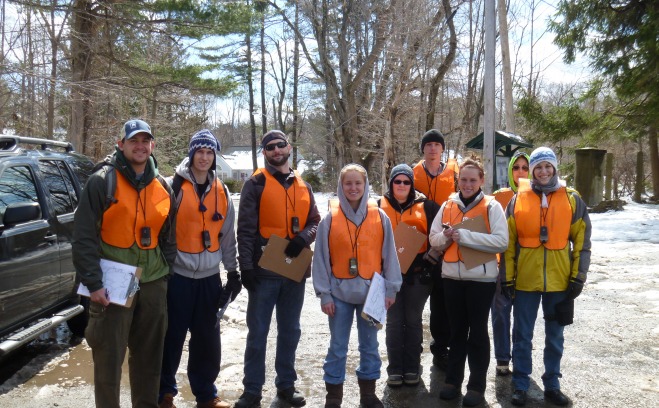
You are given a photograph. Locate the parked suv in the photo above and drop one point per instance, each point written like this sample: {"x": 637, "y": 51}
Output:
{"x": 40, "y": 184}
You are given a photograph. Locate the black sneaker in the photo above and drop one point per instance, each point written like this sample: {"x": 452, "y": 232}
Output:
{"x": 411, "y": 378}
{"x": 248, "y": 400}
{"x": 519, "y": 398}
{"x": 292, "y": 396}
{"x": 395, "y": 380}
{"x": 449, "y": 392}
{"x": 556, "y": 397}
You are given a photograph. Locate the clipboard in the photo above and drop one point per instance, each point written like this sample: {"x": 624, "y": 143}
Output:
{"x": 472, "y": 257}
{"x": 408, "y": 242}
{"x": 274, "y": 259}
{"x": 374, "y": 309}
{"x": 121, "y": 281}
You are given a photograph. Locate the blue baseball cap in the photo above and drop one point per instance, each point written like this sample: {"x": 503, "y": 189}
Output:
{"x": 135, "y": 126}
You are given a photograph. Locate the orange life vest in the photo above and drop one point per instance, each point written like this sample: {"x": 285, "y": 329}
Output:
{"x": 364, "y": 242}
{"x": 453, "y": 215}
{"x": 504, "y": 196}
{"x": 278, "y": 206}
{"x": 529, "y": 217}
{"x": 440, "y": 187}
{"x": 124, "y": 219}
{"x": 191, "y": 222}
{"x": 414, "y": 216}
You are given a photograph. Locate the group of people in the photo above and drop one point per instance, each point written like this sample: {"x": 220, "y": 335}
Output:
{"x": 178, "y": 231}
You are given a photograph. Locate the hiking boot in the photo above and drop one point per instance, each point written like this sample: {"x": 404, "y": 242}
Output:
{"x": 215, "y": 403}
{"x": 449, "y": 392}
{"x": 167, "y": 401}
{"x": 519, "y": 398}
{"x": 248, "y": 400}
{"x": 292, "y": 396}
{"x": 503, "y": 368}
{"x": 411, "y": 378}
{"x": 472, "y": 398}
{"x": 395, "y": 380}
{"x": 556, "y": 397}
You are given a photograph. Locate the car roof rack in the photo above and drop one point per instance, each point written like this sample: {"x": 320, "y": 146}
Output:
{"x": 10, "y": 142}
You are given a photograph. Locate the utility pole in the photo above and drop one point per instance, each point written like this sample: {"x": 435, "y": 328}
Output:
{"x": 488, "y": 100}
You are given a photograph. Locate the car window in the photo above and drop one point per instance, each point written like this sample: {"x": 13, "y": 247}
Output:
{"x": 59, "y": 183}
{"x": 16, "y": 186}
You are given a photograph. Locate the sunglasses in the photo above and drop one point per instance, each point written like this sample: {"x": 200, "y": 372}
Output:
{"x": 271, "y": 147}
{"x": 405, "y": 182}
{"x": 525, "y": 168}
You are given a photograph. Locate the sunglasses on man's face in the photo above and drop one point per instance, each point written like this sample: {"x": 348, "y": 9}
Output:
{"x": 405, "y": 182}
{"x": 271, "y": 147}
{"x": 525, "y": 168}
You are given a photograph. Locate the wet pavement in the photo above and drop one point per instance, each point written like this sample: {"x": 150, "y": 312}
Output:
{"x": 611, "y": 352}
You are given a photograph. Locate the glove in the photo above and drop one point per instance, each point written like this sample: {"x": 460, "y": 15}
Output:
{"x": 574, "y": 288}
{"x": 295, "y": 246}
{"x": 231, "y": 288}
{"x": 249, "y": 280}
{"x": 508, "y": 289}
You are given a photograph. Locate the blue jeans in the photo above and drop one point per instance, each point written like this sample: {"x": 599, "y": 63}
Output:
{"x": 525, "y": 313}
{"x": 369, "y": 356}
{"x": 287, "y": 297}
{"x": 501, "y": 308}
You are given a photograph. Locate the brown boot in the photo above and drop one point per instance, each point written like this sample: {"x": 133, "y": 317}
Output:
{"x": 167, "y": 401}
{"x": 368, "y": 399}
{"x": 334, "y": 396}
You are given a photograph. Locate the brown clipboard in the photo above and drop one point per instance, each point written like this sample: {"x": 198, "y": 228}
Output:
{"x": 274, "y": 259}
{"x": 472, "y": 257}
{"x": 408, "y": 242}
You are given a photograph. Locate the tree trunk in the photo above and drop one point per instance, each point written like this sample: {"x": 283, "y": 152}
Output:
{"x": 654, "y": 161}
{"x": 296, "y": 81}
{"x": 264, "y": 107}
{"x": 250, "y": 88}
{"x": 389, "y": 159}
{"x": 505, "y": 61}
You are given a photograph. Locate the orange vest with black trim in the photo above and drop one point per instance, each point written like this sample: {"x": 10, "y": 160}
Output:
{"x": 124, "y": 219}
{"x": 440, "y": 187}
{"x": 364, "y": 242}
{"x": 192, "y": 222}
{"x": 529, "y": 217}
{"x": 278, "y": 206}
{"x": 414, "y": 216}
{"x": 504, "y": 196}
{"x": 453, "y": 215}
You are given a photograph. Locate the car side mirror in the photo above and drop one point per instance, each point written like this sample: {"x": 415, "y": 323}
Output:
{"x": 18, "y": 213}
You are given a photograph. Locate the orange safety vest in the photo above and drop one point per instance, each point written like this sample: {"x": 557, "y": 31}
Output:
{"x": 192, "y": 222}
{"x": 124, "y": 219}
{"x": 529, "y": 217}
{"x": 278, "y": 207}
{"x": 440, "y": 187}
{"x": 414, "y": 216}
{"x": 453, "y": 215}
{"x": 504, "y": 196}
{"x": 364, "y": 242}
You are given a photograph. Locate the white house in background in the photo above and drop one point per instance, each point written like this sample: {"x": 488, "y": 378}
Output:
{"x": 235, "y": 163}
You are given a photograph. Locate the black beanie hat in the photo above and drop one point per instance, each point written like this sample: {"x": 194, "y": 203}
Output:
{"x": 433, "y": 135}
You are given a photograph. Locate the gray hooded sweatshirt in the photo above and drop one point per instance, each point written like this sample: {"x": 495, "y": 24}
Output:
{"x": 354, "y": 290}
{"x": 207, "y": 263}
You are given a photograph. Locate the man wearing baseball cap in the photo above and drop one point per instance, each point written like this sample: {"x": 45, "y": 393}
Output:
{"x": 126, "y": 215}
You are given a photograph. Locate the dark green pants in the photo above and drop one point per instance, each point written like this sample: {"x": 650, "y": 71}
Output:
{"x": 142, "y": 329}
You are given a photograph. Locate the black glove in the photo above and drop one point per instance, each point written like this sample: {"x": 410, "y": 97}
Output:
{"x": 249, "y": 279}
{"x": 574, "y": 288}
{"x": 231, "y": 288}
{"x": 295, "y": 246}
{"x": 508, "y": 289}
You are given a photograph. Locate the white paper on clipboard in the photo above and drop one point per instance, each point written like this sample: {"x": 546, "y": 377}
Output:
{"x": 374, "y": 306}
{"x": 120, "y": 280}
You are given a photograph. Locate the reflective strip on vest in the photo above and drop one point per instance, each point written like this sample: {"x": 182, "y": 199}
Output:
{"x": 414, "y": 216}
{"x": 453, "y": 215}
{"x": 438, "y": 188}
{"x": 123, "y": 220}
{"x": 528, "y": 217}
{"x": 369, "y": 242}
{"x": 276, "y": 208}
{"x": 192, "y": 222}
